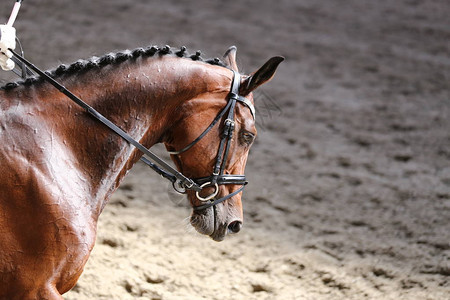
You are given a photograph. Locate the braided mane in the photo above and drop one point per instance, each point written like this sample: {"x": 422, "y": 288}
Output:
{"x": 115, "y": 58}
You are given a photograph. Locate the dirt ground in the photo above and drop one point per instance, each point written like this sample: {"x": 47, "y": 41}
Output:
{"x": 349, "y": 194}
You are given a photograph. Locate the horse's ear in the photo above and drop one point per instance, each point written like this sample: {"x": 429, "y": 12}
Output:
{"x": 229, "y": 58}
{"x": 263, "y": 75}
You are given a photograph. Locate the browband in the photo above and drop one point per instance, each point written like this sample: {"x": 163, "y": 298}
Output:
{"x": 246, "y": 102}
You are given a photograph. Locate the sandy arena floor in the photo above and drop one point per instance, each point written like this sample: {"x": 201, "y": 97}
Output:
{"x": 349, "y": 194}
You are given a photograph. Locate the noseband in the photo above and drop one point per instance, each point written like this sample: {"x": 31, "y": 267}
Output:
{"x": 218, "y": 177}
{"x": 180, "y": 182}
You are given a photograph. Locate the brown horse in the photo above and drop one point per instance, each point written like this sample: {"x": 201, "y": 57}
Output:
{"x": 59, "y": 165}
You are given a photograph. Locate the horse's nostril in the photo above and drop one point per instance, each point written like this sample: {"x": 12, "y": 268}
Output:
{"x": 235, "y": 226}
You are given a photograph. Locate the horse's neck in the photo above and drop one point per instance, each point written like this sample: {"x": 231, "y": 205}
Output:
{"x": 141, "y": 99}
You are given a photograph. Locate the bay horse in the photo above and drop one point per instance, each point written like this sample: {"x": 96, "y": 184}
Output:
{"x": 59, "y": 166}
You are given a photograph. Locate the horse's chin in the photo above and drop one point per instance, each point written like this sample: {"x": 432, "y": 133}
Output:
{"x": 209, "y": 222}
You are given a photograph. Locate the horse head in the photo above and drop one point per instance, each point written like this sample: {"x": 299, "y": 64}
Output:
{"x": 216, "y": 155}
{"x": 67, "y": 163}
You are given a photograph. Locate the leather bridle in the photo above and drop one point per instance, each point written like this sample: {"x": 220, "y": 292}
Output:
{"x": 180, "y": 182}
{"x": 218, "y": 177}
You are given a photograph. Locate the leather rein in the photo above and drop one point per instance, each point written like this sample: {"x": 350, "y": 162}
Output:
{"x": 180, "y": 182}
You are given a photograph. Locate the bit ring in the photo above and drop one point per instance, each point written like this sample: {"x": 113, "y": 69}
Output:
{"x": 212, "y": 195}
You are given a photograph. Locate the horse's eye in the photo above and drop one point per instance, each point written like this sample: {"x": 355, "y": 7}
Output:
{"x": 247, "y": 137}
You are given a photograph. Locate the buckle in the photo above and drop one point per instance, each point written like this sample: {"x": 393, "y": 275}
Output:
{"x": 228, "y": 127}
{"x": 234, "y": 96}
{"x": 229, "y": 122}
{"x": 179, "y": 187}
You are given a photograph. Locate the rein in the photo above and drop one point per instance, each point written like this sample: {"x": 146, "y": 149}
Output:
{"x": 180, "y": 182}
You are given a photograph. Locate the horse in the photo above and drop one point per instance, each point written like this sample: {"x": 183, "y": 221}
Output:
{"x": 59, "y": 166}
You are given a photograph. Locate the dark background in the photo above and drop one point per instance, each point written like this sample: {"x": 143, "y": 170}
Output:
{"x": 349, "y": 194}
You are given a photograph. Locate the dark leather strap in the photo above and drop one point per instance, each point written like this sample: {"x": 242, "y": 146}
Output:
{"x": 224, "y": 145}
{"x": 224, "y": 179}
{"x": 215, "y": 202}
{"x": 248, "y": 104}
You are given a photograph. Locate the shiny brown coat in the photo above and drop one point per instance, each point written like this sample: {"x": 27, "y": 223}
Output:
{"x": 59, "y": 166}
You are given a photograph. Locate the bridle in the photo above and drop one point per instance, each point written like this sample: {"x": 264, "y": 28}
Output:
{"x": 180, "y": 182}
{"x": 218, "y": 177}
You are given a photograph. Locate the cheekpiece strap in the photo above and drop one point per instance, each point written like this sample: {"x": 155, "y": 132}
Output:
{"x": 234, "y": 94}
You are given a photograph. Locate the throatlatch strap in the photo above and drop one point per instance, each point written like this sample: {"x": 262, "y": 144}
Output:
{"x": 214, "y": 122}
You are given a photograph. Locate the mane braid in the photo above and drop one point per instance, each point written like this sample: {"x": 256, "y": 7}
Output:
{"x": 114, "y": 58}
